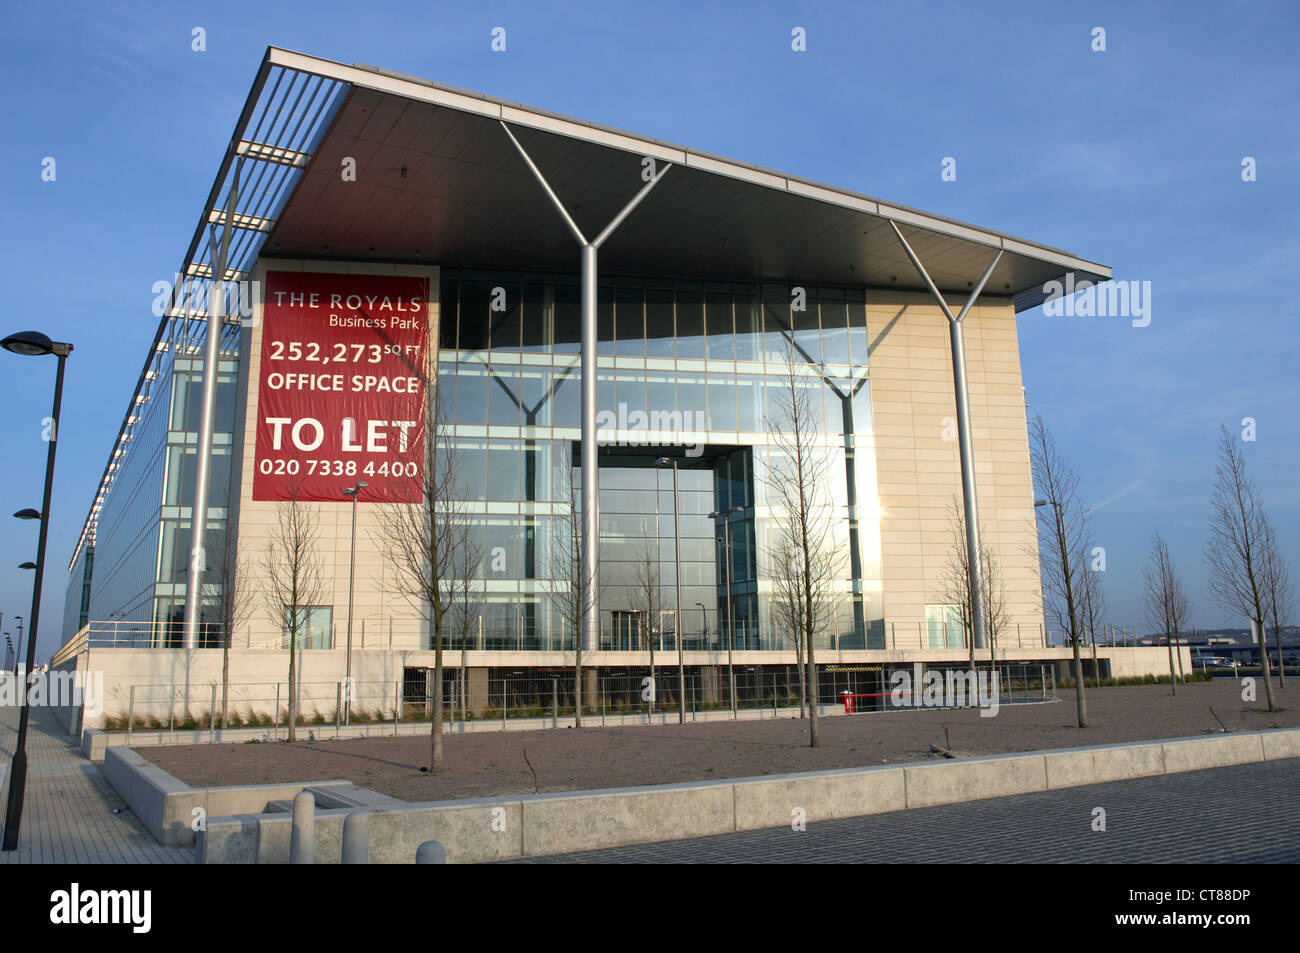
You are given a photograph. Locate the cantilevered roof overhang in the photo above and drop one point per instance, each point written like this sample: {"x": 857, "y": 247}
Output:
{"x": 438, "y": 181}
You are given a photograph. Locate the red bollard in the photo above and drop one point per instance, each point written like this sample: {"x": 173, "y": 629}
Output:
{"x": 848, "y": 702}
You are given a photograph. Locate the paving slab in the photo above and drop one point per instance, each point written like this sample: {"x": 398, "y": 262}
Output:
{"x": 71, "y": 814}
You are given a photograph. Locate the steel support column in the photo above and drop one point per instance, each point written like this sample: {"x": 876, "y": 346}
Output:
{"x": 958, "y": 342}
{"x": 590, "y": 569}
{"x": 203, "y": 467}
{"x": 590, "y": 563}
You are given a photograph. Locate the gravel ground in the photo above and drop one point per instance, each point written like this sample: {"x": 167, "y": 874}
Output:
{"x": 483, "y": 764}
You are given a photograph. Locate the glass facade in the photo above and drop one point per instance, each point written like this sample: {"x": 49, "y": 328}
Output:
{"x": 142, "y": 546}
{"x": 686, "y": 369}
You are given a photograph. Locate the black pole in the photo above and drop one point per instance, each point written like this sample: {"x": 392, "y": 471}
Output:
{"x": 18, "y": 767}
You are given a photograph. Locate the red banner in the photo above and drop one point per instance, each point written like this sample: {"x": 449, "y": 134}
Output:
{"x": 341, "y": 389}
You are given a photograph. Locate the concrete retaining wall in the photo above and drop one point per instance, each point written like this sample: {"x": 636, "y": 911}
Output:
{"x": 166, "y": 805}
{"x": 500, "y": 828}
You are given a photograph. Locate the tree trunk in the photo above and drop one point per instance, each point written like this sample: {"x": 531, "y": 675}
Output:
{"x": 814, "y": 728}
{"x": 293, "y": 683}
{"x": 435, "y": 729}
{"x": 814, "y": 695}
{"x": 1173, "y": 684}
{"x": 803, "y": 681}
{"x": 1080, "y": 702}
{"x": 225, "y": 682}
{"x": 577, "y": 681}
{"x": 1264, "y": 666}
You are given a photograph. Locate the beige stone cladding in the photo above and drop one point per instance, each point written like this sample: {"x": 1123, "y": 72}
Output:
{"x": 381, "y": 617}
{"x": 918, "y": 462}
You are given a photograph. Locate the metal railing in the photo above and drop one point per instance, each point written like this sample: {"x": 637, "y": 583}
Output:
{"x": 548, "y": 699}
{"x": 1016, "y": 684}
{"x": 378, "y": 633}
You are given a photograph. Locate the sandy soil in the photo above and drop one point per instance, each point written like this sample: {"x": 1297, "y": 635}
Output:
{"x": 482, "y": 764}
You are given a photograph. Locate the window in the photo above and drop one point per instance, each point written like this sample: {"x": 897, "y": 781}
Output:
{"x": 659, "y": 319}
{"x": 944, "y": 623}
{"x": 315, "y": 627}
{"x": 179, "y": 482}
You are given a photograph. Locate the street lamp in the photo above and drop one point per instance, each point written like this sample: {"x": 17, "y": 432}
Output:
{"x": 353, "y": 491}
{"x": 704, "y": 622}
{"x": 677, "y": 623}
{"x": 33, "y": 344}
{"x": 726, "y": 568}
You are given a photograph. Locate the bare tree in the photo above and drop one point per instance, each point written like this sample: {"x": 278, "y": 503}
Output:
{"x": 1235, "y": 550}
{"x": 428, "y": 542}
{"x": 798, "y": 477}
{"x": 570, "y": 590}
{"x": 1164, "y": 599}
{"x": 648, "y": 593}
{"x": 787, "y": 604}
{"x": 292, "y": 581}
{"x": 1092, "y": 608}
{"x": 228, "y": 588}
{"x": 1062, "y": 535}
{"x": 1279, "y": 594}
{"x": 956, "y": 585}
{"x": 466, "y": 592}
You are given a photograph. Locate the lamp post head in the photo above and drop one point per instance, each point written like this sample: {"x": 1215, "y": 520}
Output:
{"x": 27, "y": 565}
{"x": 665, "y": 462}
{"x": 34, "y": 344}
{"x": 1044, "y": 503}
{"x": 28, "y": 514}
{"x": 29, "y": 343}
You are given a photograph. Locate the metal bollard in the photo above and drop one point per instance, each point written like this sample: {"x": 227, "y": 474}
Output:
{"x": 356, "y": 838}
{"x": 431, "y": 852}
{"x": 302, "y": 836}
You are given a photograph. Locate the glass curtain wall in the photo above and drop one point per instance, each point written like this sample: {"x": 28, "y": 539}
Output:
{"x": 686, "y": 369}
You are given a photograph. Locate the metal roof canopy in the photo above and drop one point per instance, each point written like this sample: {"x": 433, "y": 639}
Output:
{"x": 467, "y": 199}
{"x": 437, "y": 180}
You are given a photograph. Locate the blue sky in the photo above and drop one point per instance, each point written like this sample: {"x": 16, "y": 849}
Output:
{"x": 1131, "y": 157}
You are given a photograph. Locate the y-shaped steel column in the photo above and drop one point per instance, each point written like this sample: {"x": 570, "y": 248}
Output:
{"x": 590, "y": 568}
{"x": 958, "y": 341}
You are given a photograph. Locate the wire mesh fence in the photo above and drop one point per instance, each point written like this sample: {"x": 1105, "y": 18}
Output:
{"x": 553, "y": 697}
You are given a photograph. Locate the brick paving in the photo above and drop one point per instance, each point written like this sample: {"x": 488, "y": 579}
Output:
{"x": 1240, "y": 814}
{"x": 68, "y": 815}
